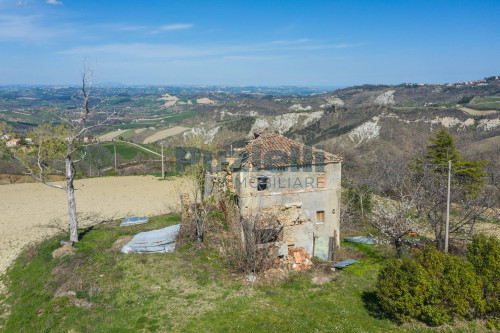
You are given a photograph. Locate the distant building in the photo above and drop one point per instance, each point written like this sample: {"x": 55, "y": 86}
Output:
{"x": 12, "y": 143}
{"x": 90, "y": 139}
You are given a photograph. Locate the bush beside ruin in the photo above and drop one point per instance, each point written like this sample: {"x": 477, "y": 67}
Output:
{"x": 437, "y": 288}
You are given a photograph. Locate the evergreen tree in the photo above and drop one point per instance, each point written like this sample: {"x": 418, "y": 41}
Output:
{"x": 466, "y": 173}
{"x": 442, "y": 150}
{"x": 468, "y": 198}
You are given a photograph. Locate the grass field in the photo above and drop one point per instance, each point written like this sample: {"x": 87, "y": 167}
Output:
{"x": 186, "y": 291}
{"x": 485, "y": 103}
{"x": 127, "y": 134}
{"x": 28, "y": 117}
{"x": 163, "y": 121}
{"x": 129, "y": 152}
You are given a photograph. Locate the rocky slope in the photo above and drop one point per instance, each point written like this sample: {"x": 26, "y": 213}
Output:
{"x": 364, "y": 122}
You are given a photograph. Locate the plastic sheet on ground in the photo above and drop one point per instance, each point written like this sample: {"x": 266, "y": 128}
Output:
{"x": 344, "y": 264}
{"x": 154, "y": 241}
{"x": 360, "y": 239}
{"x": 133, "y": 221}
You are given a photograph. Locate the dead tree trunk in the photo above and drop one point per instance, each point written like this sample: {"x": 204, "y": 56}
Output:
{"x": 51, "y": 144}
{"x": 70, "y": 192}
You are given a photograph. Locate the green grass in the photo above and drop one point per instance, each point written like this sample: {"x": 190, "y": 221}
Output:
{"x": 186, "y": 291}
{"x": 489, "y": 220}
{"x": 129, "y": 152}
{"x": 179, "y": 117}
{"x": 485, "y": 99}
{"x": 127, "y": 134}
{"x": 409, "y": 103}
{"x": 32, "y": 118}
{"x": 485, "y": 103}
{"x": 166, "y": 120}
{"x": 168, "y": 175}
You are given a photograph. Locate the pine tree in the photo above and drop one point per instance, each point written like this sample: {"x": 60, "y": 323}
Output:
{"x": 442, "y": 150}
{"x": 466, "y": 173}
{"x": 467, "y": 197}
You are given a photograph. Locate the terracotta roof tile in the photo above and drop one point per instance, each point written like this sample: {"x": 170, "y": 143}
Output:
{"x": 275, "y": 150}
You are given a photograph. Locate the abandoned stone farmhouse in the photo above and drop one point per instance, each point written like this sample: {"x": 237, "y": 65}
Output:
{"x": 298, "y": 184}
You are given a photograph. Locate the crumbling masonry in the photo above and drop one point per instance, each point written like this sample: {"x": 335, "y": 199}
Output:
{"x": 300, "y": 185}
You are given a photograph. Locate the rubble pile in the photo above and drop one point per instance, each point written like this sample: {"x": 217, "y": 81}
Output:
{"x": 300, "y": 258}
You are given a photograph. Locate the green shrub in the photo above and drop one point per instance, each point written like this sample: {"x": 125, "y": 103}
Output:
{"x": 484, "y": 254}
{"x": 401, "y": 288}
{"x": 430, "y": 286}
{"x": 494, "y": 323}
{"x": 111, "y": 173}
{"x": 456, "y": 287}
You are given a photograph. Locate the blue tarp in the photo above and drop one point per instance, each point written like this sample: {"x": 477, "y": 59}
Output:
{"x": 154, "y": 241}
{"x": 345, "y": 263}
{"x": 133, "y": 221}
{"x": 360, "y": 239}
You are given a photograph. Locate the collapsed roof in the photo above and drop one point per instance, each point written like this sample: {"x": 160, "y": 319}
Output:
{"x": 271, "y": 150}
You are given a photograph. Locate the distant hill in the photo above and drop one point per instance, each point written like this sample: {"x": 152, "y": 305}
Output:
{"x": 362, "y": 123}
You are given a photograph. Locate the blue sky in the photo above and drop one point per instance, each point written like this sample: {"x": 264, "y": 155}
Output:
{"x": 308, "y": 43}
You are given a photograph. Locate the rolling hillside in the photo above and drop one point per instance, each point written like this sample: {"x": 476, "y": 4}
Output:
{"x": 364, "y": 123}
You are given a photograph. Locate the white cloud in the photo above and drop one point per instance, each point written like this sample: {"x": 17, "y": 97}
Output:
{"x": 288, "y": 42}
{"x": 131, "y": 27}
{"x": 254, "y": 57}
{"x": 54, "y": 2}
{"x": 177, "y": 26}
{"x": 24, "y": 28}
{"x": 171, "y": 51}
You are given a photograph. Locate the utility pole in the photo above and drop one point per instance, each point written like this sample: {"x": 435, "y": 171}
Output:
{"x": 115, "y": 156}
{"x": 162, "y": 164}
{"x": 90, "y": 164}
{"x": 447, "y": 227}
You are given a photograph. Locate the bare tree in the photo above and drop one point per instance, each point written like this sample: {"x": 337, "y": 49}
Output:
{"x": 200, "y": 155}
{"x": 349, "y": 217}
{"x": 356, "y": 202}
{"x": 10, "y": 170}
{"x": 98, "y": 157}
{"x": 466, "y": 207}
{"x": 63, "y": 144}
{"x": 492, "y": 169}
{"x": 254, "y": 242}
{"x": 394, "y": 212}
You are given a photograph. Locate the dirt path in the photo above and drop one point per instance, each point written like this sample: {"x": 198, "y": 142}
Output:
{"x": 30, "y": 212}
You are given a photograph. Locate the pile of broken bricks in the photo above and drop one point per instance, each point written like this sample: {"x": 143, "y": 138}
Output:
{"x": 300, "y": 258}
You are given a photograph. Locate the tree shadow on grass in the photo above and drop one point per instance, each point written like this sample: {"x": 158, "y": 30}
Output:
{"x": 372, "y": 305}
{"x": 84, "y": 232}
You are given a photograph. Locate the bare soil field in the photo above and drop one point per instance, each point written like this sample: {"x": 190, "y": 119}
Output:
{"x": 204, "y": 100}
{"x": 111, "y": 135}
{"x": 473, "y": 112}
{"x": 165, "y": 134}
{"x": 30, "y": 212}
